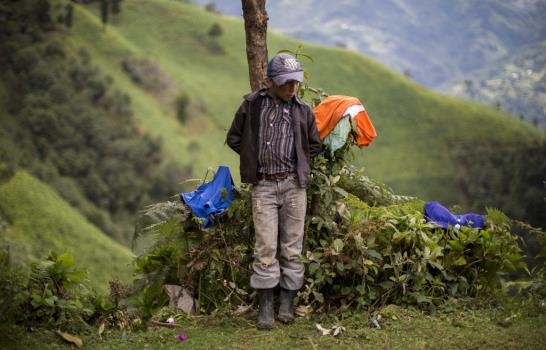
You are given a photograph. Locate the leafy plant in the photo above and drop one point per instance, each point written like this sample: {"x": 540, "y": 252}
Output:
{"x": 53, "y": 291}
{"x": 56, "y": 293}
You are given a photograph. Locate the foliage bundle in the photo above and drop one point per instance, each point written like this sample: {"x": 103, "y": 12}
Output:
{"x": 365, "y": 247}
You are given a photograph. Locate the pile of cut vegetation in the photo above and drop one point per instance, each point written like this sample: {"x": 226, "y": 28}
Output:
{"x": 365, "y": 247}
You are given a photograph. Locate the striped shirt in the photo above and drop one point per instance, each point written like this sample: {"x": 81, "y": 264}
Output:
{"x": 276, "y": 150}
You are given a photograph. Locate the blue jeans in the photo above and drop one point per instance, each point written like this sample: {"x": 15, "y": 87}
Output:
{"x": 278, "y": 211}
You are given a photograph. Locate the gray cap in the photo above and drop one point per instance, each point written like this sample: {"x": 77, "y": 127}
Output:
{"x": 284, "y": 67}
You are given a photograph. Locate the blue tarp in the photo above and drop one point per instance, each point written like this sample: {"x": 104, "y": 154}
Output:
{"x": 211, "y": 198}
{"x": 438, "y": 214}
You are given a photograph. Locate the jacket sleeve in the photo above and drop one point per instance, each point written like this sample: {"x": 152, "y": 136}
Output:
{"x": 315, "y": 145}
{"x": 235, "y": 133}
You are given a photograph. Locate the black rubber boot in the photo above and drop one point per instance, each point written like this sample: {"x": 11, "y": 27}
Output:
{"x": 286, "y": 305}
{"x": 266, "y": 316}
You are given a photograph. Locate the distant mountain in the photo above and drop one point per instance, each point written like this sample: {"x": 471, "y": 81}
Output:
{"x": 517, "y": 85}
{"x": 438, "y": 43}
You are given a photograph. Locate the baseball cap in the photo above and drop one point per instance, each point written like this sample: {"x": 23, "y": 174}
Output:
{"x": 284, "y": 67}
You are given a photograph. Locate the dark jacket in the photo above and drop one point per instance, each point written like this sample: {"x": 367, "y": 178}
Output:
{"x": 242, "y": 137}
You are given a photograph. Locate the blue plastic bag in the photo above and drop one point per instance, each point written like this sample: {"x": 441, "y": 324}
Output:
{"x": 438, "y": 214}
{"x": 212, "y": 198}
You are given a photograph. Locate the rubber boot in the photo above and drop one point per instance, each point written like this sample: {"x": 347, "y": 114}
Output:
{"x": 286, "y": 305}
{"x": 266, "y": 316}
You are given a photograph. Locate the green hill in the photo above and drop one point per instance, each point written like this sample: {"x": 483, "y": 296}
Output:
{"x": 36, "y": 220}
{"x": 418, "y": 129}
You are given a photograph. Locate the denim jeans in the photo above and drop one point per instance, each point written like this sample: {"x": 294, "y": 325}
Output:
{"x": 278, "y": 211}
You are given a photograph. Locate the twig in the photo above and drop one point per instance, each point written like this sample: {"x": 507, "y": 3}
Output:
{"x": 199, "y": 294}
{"x": 312, "y": 344}
{"x": 167, "y": 325}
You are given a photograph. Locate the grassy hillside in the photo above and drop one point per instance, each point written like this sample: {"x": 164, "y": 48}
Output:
{"x": 417, "y": 128}
{"x": 36, "y": 220}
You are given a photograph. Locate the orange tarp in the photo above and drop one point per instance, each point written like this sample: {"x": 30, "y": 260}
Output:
{"x": 330, "y": 111}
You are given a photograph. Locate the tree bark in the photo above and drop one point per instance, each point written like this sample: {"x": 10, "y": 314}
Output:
{"x": 256, "y": 18}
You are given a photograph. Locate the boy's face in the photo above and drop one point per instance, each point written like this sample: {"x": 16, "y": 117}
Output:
{"x": 286, "y": 91}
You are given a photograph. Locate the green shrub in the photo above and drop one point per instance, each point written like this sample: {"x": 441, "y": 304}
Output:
{"x": 215, "y": 30}
{"x": 146, "y": 74}
{"x": 55, "y": 49}
{"x": 211, "y": 7}
{"x": 56, "y": 292}
{"x": 52, "y": 292}
{"x": 25, "y": 58}
{"x": 182, "y": 102}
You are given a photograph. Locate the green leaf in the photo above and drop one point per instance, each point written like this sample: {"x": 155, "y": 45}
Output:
{"x": 368, "y": 262}
{"x": 306, "y": 56}
{"x": 421, "y": 298}
{"x": 386, "y": 285}
{"x": 75, "y": 276}
{"x": 313, "y": 267}
{"x": 338, "y": 245}
{"x": 49, "y": 301}
{"x": 456, "y": 245}
{"x": 426, "y": 253}
{"x": 375, "y": 254}
{"x": 66, "y": 260}
{"x": 436, "y": 265}
{"x": 341, "y": 192}
{"x": 287, "y": 51}
{"x": 101, "y": 328}
{"x": 346, "y": 290}
{"x": 318, "y": 297}
{"x": 361, "y": 289}
{"x": 461, "y": 261}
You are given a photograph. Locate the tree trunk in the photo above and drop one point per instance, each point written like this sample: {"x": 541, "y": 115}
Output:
{"x": 255, "y": 17}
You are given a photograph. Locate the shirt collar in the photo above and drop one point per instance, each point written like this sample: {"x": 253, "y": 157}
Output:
{"x": 265, "y": 92}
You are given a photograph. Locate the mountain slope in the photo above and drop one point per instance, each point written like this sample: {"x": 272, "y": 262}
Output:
{"x": 517, "y": 85}
{"x": 410, "y": 35}
{"x": 36, "y": 220}
{"x": 439, "y": 43}
{"x": 417, "y": 128}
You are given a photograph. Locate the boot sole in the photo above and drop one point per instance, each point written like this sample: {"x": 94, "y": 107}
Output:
{"x": 265, "y": 327}
{"x": 285, "y": 319}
